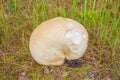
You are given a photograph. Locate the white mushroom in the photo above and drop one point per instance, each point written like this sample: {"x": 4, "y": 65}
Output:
{"x": 56, "y": 39}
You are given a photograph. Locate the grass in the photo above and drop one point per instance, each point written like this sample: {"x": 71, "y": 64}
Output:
{"x": 101, "y": 18}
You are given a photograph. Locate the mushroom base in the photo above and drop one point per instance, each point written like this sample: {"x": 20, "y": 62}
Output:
{"x": 73, "y": 63}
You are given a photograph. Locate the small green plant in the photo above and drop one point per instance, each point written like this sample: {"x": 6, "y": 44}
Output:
{"x": 85, "y": 13}
{"x": 12, "y": 5}
{"x": 4, "y": 26}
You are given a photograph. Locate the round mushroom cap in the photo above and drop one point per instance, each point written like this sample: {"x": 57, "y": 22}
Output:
{"x": 56, "y": 39}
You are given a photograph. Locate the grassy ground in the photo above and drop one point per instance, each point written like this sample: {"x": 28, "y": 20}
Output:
{"x": 101, "y": 18}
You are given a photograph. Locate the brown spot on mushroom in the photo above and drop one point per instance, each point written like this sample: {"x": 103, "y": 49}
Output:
{"x": 73, "y": 63}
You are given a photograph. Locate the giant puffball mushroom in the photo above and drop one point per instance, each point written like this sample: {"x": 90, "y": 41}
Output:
{"x": 58, "y": 39}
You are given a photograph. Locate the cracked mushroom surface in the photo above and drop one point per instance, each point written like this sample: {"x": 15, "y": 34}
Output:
{"x": 58, "y": 39}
